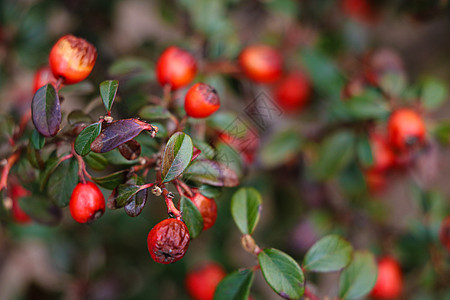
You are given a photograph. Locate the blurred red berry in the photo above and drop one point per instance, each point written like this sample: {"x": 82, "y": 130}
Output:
{"x": 201, "y": 101}
{"x": 444, "y": 233}
{"x": 176, "y": 68}
{"x": 389, "y": 283}
{"x": 201, "y": 283}
{"x": 293, "y": 92}
{"x": 42, "y": 77}
{"x": 383, "y": 156}
{"x": 207, "y": 208}
{"x": 406, "y": 129}
{"x": 246, "y": 143}
{"x": 72, "y": 58}
{"x": 168, "y": 241}
{"x": 18, "y": 214}
{"x": 361, "y": 10}
{"x": 87, "y": 203}
{"x": 261, "y": 63}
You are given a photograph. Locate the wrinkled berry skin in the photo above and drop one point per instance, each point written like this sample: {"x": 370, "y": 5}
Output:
{"x": 176, "y": 68}
{"x": 261, "y": 63}
{"x": 389, "y": 283}
{"x": 87, "y": 203}
{"x": 201, "y": 101}
{"x": 72, "y": 58}
{"x": 293, "y": 92}
{"x": 18, "y": 214}
{"x": 207, "y": 208}
{"x": 201, "y": 283}
{"x": 168, "y": 241}
{"x": 444, "y": 233}
{"x": 406, "y": 129}
{"x": 42, "y": 77}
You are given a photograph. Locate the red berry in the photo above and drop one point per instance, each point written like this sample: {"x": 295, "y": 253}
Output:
{"x": 389, "y": 283}
{"x": 361, "y": 10}
{"x": 87, "y": 203}
{"x": 168, "y": 241}
{"x": 207, "y": 208}
{"x": 383, "y": 156}
{"x": 245, "y": 142}
{"x": 375, "y": 180}
{"x": 201, "y": 283}
{"x": 293, "y": 92}
{"x": 444, "y": 233}
{"x": 261, "y": 63}
{"x": 201, "y": 101}
{"x": 406, "y": 129}
{"x": 42, "y": 77}
{"x": 176, "y": 67}
{"x": 72, "y": 58}
{"x": 18, "y": 214}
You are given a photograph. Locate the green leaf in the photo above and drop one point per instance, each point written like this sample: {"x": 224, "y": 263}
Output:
{"x": 124, "y": 194}
{"x": 433, "y": 93}
{"x": 367, "y": 107}
{"x": 282, "y": 273}
{"x": 41, "y": 210}
{"x": 86, "y": 137}
{"x": 96, "y": 161}
{"x": 108, "y": 91}
{"x": 330, "y": 253}
{"x": 211, "y": 172}
{"x": 359, "y": 277}
{"x": 152, "y": 112}
{"x": 177, "y": 156}
{"x": 137, "y": 203}
{"x": 245, "y": 208}
{"x": 50, "y": 166}
{"x": 393, "y": 83}
{"x": 281, "y": 147}
{"x": 111, "y": 181}
{"x": 37, "y": 140}
{"x": 210, "y": 191}
{"x": 235, "y": 286}
{"x": 364, "y": 151}
{"x": 62, "y": 182}
{"x": 78, "y": 116}
{"x": 191, "y": 216}
{"x": 335, "y": 153}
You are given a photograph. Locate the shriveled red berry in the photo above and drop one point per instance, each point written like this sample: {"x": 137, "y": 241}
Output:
{"x": 444, "y": 233}
{"x": 406, "y": 129}
{"x": 293, "y": 92}
{"x": 168, "y": 241}
{"x": 72, "y": 58}
{"x": 389, "y": 283}
{"x": 201, "y": 283}
{"x": 87, "y": 203}
{"x": 175, "y": 67}
{"x": 18, "y": 214}
{"x": 207, "y": 208}
{"x": 42, "y": 77}
{"x": 201, "y": 101}
{"x": 261, "y": 63}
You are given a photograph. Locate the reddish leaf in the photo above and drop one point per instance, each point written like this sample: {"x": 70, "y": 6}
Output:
{"x": 46, "y": 110}
{"x": 130, "y": 150}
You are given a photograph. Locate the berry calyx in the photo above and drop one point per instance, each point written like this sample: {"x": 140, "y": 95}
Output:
{"x": 176, "y": 68}
{"x": 168, "y": 241}
{"x": 201, "y": 283}
{"x": 87, "y": 203}
{"x": 293, "y": 92}
{"x": 207, "y": 208}
{"x": 72, "y": 58}
{"x": 406, "y": 129}
{"x": 261, "y": 63}
{"x": 201, "y": 101}
{"x": 42, "y": 77}
{"x": 444, "y": 233}
{"x": 389, "y": 284}
{"x": 18, "y": 214}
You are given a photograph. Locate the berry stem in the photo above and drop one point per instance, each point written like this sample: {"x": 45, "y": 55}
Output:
{"x": 310, "y": 295}
{"x": 9, "y": 163}
{"x": 185, "y": 187}
{"x": 171, "y": 209}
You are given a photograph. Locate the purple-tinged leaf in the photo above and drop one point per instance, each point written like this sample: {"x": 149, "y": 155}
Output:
{"x": 130, "y": 150}
{"x": 46, "y": 111}
{"x": 137, "y": 204}
{"x": 211, "y": 172}
{"x": 120, "y": 132}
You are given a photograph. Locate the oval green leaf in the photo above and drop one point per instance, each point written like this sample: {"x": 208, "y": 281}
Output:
{"x": 108, "y": 91}
{"x": 245, "y": 208}
{"x": 191, "y": 216}
{"x": 330, "y": 253}
{"x": 235, "y": 286}
{"x": 96, "y": 161}
{"x": 86, "y": 137}
{"x": 211, "y": 172}
{"x": 111, "y": 181}
{"x": 152, "y": 112}
{"x": 37, "y": 140}
{"x": 282, "y": 273}
{"x": 62, "y": 182}
{"x": 282, "y": 147}
{"x": 434, "y": 93}
{"x": 41, "y": 210}
{"x": 359, "y": 277}
{"x": 177, "y": 156}
{"x": 364, "y": 151}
